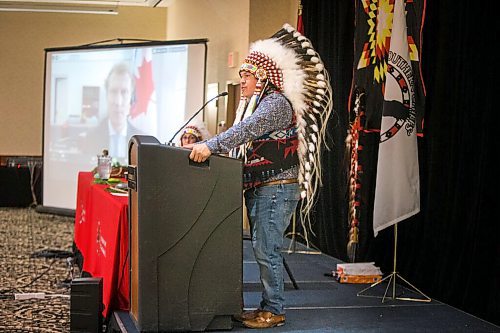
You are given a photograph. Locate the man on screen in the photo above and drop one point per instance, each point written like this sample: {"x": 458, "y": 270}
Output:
{"x": 114, "y": 131}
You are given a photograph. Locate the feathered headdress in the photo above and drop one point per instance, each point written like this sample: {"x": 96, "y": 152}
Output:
{"x": 289, "y": 61}
{"x": 191, "y": 129}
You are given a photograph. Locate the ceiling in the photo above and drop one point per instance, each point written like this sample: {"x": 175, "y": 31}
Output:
{"x": 77, "y": 6}
{"x": 147, "y": 3}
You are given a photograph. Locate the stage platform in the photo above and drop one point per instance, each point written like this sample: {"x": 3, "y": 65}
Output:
{"x": 321, "y": 304}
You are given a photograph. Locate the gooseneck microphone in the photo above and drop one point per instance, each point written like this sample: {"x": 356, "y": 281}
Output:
{"x": 170, "y": 142}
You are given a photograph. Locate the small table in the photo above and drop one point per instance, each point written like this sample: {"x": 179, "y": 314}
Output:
{"x": 101, "y": 234}
{"x": 15, "y": 186}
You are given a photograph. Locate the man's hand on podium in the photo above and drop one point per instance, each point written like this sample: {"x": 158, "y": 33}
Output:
{"x": 199, "y": 153}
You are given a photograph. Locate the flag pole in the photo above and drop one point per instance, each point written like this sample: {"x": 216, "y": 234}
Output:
{"x": 292, "y": 247}
{"x": 392, "y": 277}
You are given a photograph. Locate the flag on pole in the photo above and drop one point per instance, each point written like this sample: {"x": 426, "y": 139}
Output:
{"x": 397, "y": 191}
{"x": 373, "y": 21}
{"x": 300, "y": 23}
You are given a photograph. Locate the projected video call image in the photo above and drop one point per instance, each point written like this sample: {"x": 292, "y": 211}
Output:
{"x": 97, "y": 99}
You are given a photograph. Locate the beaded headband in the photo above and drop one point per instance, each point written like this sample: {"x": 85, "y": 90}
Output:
{"x": 192, "y": 130}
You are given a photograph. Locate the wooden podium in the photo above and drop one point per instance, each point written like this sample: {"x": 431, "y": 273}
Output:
{"x": 185, "y": 238}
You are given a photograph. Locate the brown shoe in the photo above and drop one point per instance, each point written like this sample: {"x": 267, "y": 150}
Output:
{"x": 265, "y": 319}
{"x": 247, "y": 315}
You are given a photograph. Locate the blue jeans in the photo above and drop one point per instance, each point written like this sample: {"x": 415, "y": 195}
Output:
{"x": 270, "y": 209}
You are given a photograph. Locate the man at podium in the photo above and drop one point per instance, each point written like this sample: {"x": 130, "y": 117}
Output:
{"x": 280, "y": 149}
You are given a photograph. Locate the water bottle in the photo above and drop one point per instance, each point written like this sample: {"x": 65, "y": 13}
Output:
{"x": 104, "y": 165}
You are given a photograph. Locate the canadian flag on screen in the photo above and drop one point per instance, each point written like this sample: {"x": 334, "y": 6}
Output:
{"x": 397, "y": 192}
{"x": 143, "y": 112}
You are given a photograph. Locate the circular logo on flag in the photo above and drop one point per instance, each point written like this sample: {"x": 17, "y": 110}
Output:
{"x": 399, "y": 98}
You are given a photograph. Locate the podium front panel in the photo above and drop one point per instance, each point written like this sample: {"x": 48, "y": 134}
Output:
{"x": 186, "y": 265}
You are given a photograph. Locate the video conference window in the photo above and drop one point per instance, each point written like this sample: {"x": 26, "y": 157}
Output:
{"x": 97, "y": 98}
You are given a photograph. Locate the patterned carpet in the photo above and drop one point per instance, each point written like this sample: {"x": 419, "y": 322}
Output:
{"x": 35, "y": 257}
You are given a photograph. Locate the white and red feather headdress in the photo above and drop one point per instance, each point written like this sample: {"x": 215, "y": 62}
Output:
{"x": 289, "y": 61}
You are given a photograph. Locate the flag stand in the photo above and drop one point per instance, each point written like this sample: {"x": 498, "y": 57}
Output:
{"x": 292, "y": 248}
{"x": 392, "y": 279}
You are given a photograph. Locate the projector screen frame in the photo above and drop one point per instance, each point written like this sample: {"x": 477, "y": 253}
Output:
{"x": 105, "y": 46}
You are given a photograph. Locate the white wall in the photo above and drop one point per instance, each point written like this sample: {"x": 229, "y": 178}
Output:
{"x": 230, "y": 26}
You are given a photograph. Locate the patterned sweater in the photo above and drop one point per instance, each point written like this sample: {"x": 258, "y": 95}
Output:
{"x": 274, "y": 112}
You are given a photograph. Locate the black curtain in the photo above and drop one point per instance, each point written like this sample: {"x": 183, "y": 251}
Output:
{"x": 450, "y": 250}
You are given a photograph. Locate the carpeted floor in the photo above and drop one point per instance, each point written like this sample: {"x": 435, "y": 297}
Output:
{"x": 35, "y": 257}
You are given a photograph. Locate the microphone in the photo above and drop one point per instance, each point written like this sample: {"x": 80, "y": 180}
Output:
{"x": 170, "y": 142}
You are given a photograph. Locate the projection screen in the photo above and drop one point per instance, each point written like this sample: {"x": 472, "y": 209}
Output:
{"x": 97, "y": 97}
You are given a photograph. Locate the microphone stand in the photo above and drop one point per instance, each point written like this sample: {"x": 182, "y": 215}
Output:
{"x": 170, "y": 142}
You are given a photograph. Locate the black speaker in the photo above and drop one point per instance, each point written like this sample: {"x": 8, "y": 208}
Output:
{"x": 86, "y": 305}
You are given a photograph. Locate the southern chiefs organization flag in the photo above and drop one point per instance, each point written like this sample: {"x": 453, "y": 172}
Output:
{"x": 397, "y": 192}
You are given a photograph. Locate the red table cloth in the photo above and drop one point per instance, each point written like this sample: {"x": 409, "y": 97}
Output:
{"x": 102, "y": 236}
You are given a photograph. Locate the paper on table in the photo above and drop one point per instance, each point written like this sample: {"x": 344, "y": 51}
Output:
{"x": 119, "y": 194}
{"x": 361, "y": 268}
